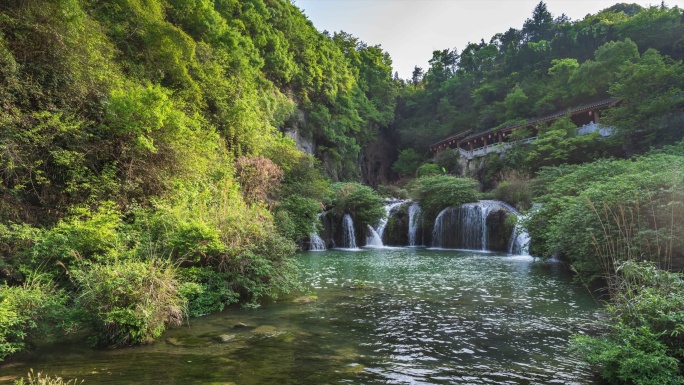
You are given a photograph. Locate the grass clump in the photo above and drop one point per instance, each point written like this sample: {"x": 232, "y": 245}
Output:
{"x": 44, "y": 379}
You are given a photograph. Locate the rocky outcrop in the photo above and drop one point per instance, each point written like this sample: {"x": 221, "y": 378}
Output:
{"x": 375, "y": 161}
{"x": 498, "y": 231}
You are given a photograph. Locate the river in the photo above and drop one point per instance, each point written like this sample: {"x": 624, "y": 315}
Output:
{"x": 380, "y": 316}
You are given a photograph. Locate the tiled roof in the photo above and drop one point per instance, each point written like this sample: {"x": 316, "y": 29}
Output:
{"x": 529, "y": 122}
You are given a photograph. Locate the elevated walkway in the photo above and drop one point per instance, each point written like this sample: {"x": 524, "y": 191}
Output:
{"x": 471, "y": 145}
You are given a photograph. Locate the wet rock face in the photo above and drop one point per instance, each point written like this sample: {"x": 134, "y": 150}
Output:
{"x": 396, "y": 231}
{"x": 375, "y": 161}
{"x": 498, "y": 231}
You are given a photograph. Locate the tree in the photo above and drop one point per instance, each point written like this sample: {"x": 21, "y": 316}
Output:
{"x": 408, "y": 162}
{"x": 416, "y": 75}
{"x": 541, "y": 25}
{"x": 594, "y": 77}
{"x": 652, "y": 95}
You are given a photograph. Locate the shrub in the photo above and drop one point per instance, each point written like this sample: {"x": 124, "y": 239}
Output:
{"x": 43, "y": 379}
{"x": 362, "y": 202}
{"x": 128, "y": 302}
{"x": 36, "y": 308}
{"x": 205, "y": 290}
{"x": 449, "y": 160}
{"x": 630, "y": 356}
{"x": 435, "y": 193}
{"x": 626, "y": 208}
{"x": 296, "y": 216}
{"x": 515, "y": 190}
{"x": 86, "y": 234}
{"x": 259, "y": 178}
{"x": 407, "y": 162}
{"x": 391, "y": 191}
{"x": 643, "y": 343}
{"x": 428, "y": 169}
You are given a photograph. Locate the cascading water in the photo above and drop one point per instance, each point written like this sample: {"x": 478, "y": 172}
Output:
{"x": 415, "y": 215}
{"x": 520, "y": 239}
{"x": 316, "y": 242}
{"x": 464, "y": 227}
{"x": 348, "y": 236}
{"x": 374, "y": 238}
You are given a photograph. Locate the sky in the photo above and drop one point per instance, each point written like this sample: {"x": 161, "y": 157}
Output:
{"x": 410, "y": 30}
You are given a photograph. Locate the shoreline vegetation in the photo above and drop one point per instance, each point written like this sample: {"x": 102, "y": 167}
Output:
{"x": 147, "y": 170}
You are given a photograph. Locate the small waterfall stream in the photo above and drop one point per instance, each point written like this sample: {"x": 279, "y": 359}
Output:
{"x": 463, "y": 227}
{"x": 316, "y": 243}
{"x": 415, "y": 216}
{"x": 520, "y": 239}
{"x": 348, "y": 236}
{"x": 374, "y": 238}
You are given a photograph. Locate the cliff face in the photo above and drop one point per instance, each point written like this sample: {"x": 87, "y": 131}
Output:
{"x": 293, "y": 130}
{"x": 375, "y": 161}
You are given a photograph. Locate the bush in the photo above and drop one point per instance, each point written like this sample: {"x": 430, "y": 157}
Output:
{"x": 296, "y": 216}
{"x": 41, "y": 379}
{"x": 36, "y": 308}
{"x": 627, "y": 208}
{"x": 129, "y": 302}
{"x": 362, "y": 202}
{"x": 391, "y": 191}
{"x": 630, "y": 356}
{"x": 205, "y": 290}
{"x": 514, "y": 190}
{"x": 435, "y": 193}
{"x": 428, "y": 169}
{"x": 407, "y": 162}
{"x": 86, "y": 234}
{"x": 449, "y": 160}
{"x": 259, "y": 178}
{"x": 213, "y": 227}
{"x": 643, "y": 344}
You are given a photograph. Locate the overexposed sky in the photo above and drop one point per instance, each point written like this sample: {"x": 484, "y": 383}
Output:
{"x": 411, "y": 29}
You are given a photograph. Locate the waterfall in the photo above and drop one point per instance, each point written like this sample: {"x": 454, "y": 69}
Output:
{"x": 520, "y": 239}
{"x": 348, "y": 236}
{"x": 316, "y": 243}
{"x": 415, "y": 215}
{"x": 464, "y": 227}
{"x": 374, "y": 238}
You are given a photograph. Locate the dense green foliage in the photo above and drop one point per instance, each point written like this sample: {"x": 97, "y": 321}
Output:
{"x": 644, "y": 343}
{"x": 128, "y": 302}
{"x": 607, "y": 218}
{"x": 362, "y": 202}
{"x": 144, "y": 169}
{"x": 616, "y": 206}
{"x": 146, "y": 173}
{"x": 549, "y": 65}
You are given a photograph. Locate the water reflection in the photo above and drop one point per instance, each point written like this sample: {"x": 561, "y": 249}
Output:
{"x": 398, "y": 316}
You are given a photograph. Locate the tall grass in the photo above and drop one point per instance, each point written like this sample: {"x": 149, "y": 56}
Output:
{"x": 44, "y": 379}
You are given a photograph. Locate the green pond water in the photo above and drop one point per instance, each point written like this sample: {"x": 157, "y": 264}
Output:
{"x": 381, "y": 316}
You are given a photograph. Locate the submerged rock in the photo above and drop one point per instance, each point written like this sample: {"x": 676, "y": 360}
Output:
{"x": 265, "y": 330}
{"x": 305, "y": 299}
{"x": 225, "y": 337}
{"x": 187, "y": 341}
